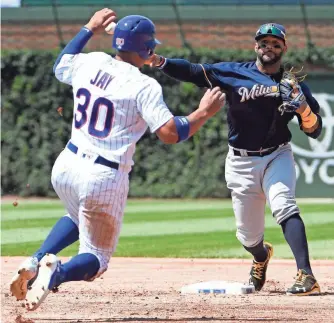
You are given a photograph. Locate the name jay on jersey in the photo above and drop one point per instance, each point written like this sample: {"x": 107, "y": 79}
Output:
{"x": 101, "y": 80}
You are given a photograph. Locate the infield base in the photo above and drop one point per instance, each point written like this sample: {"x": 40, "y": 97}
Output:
{"x": 218, "y": 287}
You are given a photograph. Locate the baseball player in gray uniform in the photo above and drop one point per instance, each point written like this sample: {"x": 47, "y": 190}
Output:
{"x": 262, "y": 99}
{"x": 114, "y": 104}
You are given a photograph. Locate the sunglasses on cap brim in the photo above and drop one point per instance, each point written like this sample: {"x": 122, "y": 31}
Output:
{"x": 270, "y": 31}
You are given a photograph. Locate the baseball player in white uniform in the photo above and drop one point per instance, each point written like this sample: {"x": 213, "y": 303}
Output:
{"x": 114, "y": 103}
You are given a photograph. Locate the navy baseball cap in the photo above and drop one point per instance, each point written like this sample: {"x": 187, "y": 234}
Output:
{"x": 271, "y": 29}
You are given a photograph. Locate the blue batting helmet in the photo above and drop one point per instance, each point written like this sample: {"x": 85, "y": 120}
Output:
{"x": 271, "y": 29}
{"x": 135, "y": 34}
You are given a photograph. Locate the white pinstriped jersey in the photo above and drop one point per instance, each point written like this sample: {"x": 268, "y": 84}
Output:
{"x": 114, "y": 103}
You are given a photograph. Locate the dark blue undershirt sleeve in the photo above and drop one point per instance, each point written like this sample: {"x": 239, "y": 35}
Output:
{"x": 316, "y": 133}
{"x": 76, "y": 45}
{"x": 183, "y": 70}
{"x": 311, "y": 101}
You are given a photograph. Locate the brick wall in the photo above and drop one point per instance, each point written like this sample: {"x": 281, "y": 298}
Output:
{"x": 211, "y": 35}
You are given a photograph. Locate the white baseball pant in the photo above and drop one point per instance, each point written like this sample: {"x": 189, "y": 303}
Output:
{"x": 95, "y": 197}
{"x": 255, "y": 180}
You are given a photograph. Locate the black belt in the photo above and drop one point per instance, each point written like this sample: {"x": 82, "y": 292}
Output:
{"x": 260, "y": 153}
{"x": 99, "y": 160}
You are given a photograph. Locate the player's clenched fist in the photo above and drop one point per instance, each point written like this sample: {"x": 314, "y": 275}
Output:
{"x": 212, "y": 101}
{"x": 101, "y": 19}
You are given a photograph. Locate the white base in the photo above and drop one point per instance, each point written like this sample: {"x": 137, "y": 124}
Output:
{"x": 218, "y": 287}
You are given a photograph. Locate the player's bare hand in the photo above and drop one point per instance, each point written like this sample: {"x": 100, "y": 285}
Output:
{"x": 212, "y": 101}
{"x": 153, "y": 61}
{"x": 101, "y": 19}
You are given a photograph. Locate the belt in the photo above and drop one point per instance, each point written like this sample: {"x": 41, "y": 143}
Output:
{"x": 99, "y": 160}
{"x": 260, "y": 153}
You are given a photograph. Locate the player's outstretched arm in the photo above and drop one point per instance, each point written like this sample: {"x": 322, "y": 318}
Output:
{"x": 181, "y": 70}
{"x": 98, "y": 22}
{"x": 179, "y": 129}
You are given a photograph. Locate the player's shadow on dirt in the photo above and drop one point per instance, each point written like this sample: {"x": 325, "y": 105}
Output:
{"x": 186, "y": 319}
{"x": 279, "y": 292}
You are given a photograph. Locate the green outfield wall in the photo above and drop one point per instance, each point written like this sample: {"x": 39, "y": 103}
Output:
{"x": 232, "y": 13}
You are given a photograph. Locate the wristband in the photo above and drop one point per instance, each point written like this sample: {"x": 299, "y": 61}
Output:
{"x": 309, "y": 119}
{"x": 162, "y": 62}
{"x": 182, "y": 127}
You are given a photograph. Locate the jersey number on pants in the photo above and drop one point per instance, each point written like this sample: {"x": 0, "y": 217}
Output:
{"x": 81, "y": 119}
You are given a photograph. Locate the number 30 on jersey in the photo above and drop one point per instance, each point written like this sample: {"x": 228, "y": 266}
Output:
{"x": 102, "y": 113}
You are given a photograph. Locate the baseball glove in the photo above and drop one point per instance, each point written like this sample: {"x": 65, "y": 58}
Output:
{"x": 291, "y": 92}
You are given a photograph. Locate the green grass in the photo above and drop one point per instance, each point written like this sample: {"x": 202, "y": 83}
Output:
{"x": 167, "y": 228}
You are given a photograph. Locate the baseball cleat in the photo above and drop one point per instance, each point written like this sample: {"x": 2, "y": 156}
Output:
{"x": 23, "y": 279}
{"x": 43, "y": 285}
{"x": 304, "y": 285}
{"x": 259, "y": 269}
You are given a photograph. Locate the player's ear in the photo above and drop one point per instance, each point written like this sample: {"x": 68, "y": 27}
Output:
{"x": 151, "y": 52}
{"x": 256, "y": 47}
{"x": 285, "y": 48}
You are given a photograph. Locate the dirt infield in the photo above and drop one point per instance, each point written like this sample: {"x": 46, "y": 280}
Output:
{"x": 147, "y": 290}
